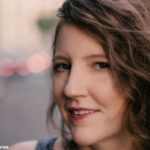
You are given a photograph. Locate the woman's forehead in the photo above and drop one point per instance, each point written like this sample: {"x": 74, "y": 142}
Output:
{"x": 71, "y": 38}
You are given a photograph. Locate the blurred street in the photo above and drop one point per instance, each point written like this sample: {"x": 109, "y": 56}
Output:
{"x": 23, "y": 104}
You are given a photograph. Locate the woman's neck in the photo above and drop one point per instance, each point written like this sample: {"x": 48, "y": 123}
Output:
{"x": 120, "y": 142}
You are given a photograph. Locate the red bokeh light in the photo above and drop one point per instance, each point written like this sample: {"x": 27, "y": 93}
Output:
{"x": 21, "y": 67}
{"x": 24, "y": 66}
{"x": 7, "y": 67}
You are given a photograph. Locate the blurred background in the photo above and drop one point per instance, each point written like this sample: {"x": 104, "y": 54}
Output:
{"x": 26, "y": 27}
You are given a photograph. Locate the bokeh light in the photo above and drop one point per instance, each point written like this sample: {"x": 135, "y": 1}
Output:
{"x": 7, "y": 67}
{"x": 38, "y": 62}
{"x": 23, "y": 66}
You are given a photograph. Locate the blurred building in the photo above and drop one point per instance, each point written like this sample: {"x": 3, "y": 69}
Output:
{"x": 19, "y": 32}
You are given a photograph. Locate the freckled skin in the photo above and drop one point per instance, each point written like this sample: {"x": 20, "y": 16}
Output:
{"x": 83, "y": 81}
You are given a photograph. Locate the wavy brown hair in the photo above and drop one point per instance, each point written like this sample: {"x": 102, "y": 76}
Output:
{"x": 123, "y": 29}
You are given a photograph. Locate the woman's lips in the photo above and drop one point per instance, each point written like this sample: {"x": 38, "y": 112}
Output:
{"x": 81, "y": 113}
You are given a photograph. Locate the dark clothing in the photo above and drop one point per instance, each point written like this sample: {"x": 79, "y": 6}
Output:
{"x": 45, "y": 145}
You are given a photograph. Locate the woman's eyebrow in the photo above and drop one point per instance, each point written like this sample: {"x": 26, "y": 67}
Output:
{"x": 58, "y": 57}
{"x": 95, "y": 56}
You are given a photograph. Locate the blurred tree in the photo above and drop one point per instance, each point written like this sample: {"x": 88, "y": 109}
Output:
{"x": 46, "y": 24}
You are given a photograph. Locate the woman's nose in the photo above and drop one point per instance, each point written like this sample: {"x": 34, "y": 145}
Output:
{"x": 76, "y": 85}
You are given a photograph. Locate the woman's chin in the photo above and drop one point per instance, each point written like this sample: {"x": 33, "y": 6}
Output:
{"x": 83, "y": 138}
{"x": 82, "y": 141}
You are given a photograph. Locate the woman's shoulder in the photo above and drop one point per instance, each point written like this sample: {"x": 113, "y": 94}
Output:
{"x": 55, "y": 143}
{"x": 27, "y": 145}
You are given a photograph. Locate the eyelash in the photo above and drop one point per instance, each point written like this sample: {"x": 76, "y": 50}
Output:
{"x": 60, "y": 67}
{"x": 101, "y": 65}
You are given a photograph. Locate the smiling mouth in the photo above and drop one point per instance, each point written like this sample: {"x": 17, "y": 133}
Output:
{"x": 78, "y": 114}
{"x": 82, "y": 112}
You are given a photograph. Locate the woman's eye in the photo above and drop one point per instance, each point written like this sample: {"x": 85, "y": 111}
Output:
{"x": 59, "y": 67}
{"x": 102, "y": 65}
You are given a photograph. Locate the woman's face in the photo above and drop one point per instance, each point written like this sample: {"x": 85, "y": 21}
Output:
{"x": 89, "y": 101}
